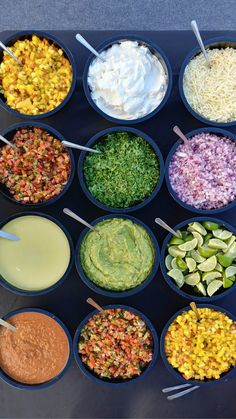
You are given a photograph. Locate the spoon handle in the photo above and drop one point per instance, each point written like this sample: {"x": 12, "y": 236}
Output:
{"x": 195, "y": 310}
{"x": 7, "y": 325}
{"x": 169, "y": 389}
{"x": 10, "y": 53}
{"x": 162, "y": 223}
{"x": 8, "y": 236}
{"x": 83, "y": 41}
{"x": 199, "y": 39}
{"x": 182, "y": 393}
{"x": 71, "y": 214}
{"x": 180, "y": 134}
{"x": 94, "y": 304}
{"x": 79, "y": 147}
{"x": 8, "y": 142}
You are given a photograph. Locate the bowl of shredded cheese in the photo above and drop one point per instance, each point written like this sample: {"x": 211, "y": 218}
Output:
{"x": 208, "y": 92}
{"x": 45, "y": 81}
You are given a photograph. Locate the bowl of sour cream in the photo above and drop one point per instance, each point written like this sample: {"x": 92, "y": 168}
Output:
{"x": 132, "y": 82}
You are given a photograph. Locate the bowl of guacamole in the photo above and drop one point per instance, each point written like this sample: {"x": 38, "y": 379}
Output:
{"x": 120, "y": 258}
{"x": 126, "y": 174}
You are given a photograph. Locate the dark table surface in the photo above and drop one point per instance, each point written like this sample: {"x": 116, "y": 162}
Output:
{"x": 75, "y": 396}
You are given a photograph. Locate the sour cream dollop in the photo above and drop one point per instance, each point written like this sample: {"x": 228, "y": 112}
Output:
{"x": 130, "y": 83}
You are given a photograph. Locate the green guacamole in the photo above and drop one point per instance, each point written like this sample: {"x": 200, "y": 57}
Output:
{"x": 125, "y": 173}
{"x": 120, "y": 257}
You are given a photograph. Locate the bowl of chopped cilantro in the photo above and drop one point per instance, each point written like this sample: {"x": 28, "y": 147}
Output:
{"x": 126, "y": 175}
{"x": 116, "y": 346}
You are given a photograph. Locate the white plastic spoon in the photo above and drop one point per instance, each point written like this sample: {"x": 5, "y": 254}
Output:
{"x": 162, "y": 223}
{"x": 182, "y": 393}
{"x": 9, "y": 143}
{"x": 8, "y": 236}
{"x": 180, "y": 134}
{"x": 71, "y": 214}
{"x": 199, "y": 39}
{"x": 7, "y": 325}
{"x": 79, "y": 147}
{"x": 10, "y": 53}
{"x": 85, "y": 43}
{"x": 94, "y": 304}
{"x": 169, "y": 389}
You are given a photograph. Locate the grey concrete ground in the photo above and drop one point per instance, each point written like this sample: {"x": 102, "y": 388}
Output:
{"x": 117, "y": 14}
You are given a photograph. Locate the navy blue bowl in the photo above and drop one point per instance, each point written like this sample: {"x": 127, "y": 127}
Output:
{"x": 19, "y": 291}
{"x": 174, "y": 371}
{"x": 155, "y": 50}
{"x": 98, "y": 137}
{"x": 9, "y": 133}
{"x": 103, "y": 291}
{"x": 113, "y": 382}
{"x": 22, "y": 386}
{"x": 220, "y": 132}
{"x": 53, "y": 40}
{"x": 171, "y": 283}
{"x": 219, "y": 42}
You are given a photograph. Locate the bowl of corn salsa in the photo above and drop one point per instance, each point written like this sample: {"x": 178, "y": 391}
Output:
{"x": 201, "y": 264}
{"x": 200, "y": 353}
{"x": 46, "y": 80}
{"x": 43, "y": 169}
{"x": 116, "y": 346}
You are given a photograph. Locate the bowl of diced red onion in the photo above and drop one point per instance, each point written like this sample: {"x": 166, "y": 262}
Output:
{"x": 201, "y": 174}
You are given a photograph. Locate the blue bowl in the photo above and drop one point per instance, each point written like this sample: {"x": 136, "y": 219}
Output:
{"x": 155, "y": 50}
{"x": 103, "y": 291}
{"x": 19, "y": 291}
{"x": 174, "y": 371}
{"x": 171, "y": 283}
{"x": 22, "y": 386}
{"x": 9, "y": 133}
{"x": 219, "y": 42}
{"x": 52, "y": 39}
{"x": 190, "y": 134}
{"x": 93, "y": 141}
{"x": 113, "y": 382}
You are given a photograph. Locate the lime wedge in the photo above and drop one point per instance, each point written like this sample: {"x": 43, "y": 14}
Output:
{"x": 217, "y": 244}
{"x": 209, "y": 225}
{"x": 168, "y": 260}
{"x": 178, "y": 277}
{"x": 200, "y": 287}
{"x": 231, "y": 251}
{"x": 227, "y": 283}
{"x": 206, "y": 252}
{"x": 230, "y": 271}
{"x": 199, "y": 238}
{"x": 222, "y": 234}
{"x": 209, "y": 280}
{"x": 207, "y": 237}
{"x": 188, "y": 245}
{"x": 219, "y": 268}
{"x": 191, "y": 264}
{"x": 175, "y": 251}
{"x": 211, "y": 275}
{"x": 192, "y": 279}
{"x": 229, "y": 242}
{"x": 208, "y": 264}
{"x": 232, "y": 278}
{"x": 197, "y": 227}
{"x": 225, "y": 260}
{"x": 174, "y": 264}
{"x": 213, "y": 287}
{"x": 188, "y": 238}
{"x": 181, "y": 263}
{"x": 175, "y": 240}
{"x": 195, "y": 254}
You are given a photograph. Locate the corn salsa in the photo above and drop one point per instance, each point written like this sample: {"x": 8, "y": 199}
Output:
{"x": 116, "y": 344}
{"x": 44, "y": 80}
{"x": 201, "y": 350}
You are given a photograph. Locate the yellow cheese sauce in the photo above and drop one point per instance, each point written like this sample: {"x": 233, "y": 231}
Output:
{"x": 41, "y": 256}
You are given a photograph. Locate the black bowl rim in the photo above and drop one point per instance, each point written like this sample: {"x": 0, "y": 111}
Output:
{"x": 23, "y": 386}
{"x": 61, "y": 138}
{"x": 19, "y": 291}
{"x": 100, "y": 380}
{"x": 67, "y": 52}
{"x": 98, "y": 137}
{"x": 118, "y": 294}
{"x": 172, "y": 151}
{"x": 152, "y": 46}
{"x": 208, "y": 43}
{"x": 174, "y": 372}
{"x": 171, "y": 283}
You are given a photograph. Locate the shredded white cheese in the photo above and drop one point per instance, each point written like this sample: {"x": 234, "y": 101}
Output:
{"x": 211, "y": 92}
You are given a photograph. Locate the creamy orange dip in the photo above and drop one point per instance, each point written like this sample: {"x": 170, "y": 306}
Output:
{"x": 37, "y": 352}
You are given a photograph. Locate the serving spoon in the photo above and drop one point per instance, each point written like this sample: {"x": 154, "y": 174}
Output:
{"x": 11, "y": 54}
{"x": 94, "y": 304}
{"x": 180, "y": 134}
{"x": 8, "y": 236}
{"x": 9, "y": 143}
{"x": 76, "y": 217}
{"x": 162, "y": 224}
{"x": 79, "y": 147}
{"x": 200, "y": 41}
{"x": 85, "y": 43}
{"x": 7, "y": 325}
